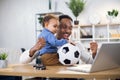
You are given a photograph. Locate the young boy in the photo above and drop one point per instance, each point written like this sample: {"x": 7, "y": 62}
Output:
{"x": 50, "y": 24}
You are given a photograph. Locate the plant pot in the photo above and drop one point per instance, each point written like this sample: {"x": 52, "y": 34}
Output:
{"x": 76, "y": 22}
{"x": 3, "y": 63}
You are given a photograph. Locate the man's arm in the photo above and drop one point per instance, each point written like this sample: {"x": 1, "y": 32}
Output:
{"x": 25, "y": 58}
{"x": 85, "y": 56}
{"x": 29, "y": 55}
{"x": 40, "y": 43}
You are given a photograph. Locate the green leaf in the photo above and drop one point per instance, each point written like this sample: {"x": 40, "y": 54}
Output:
{"x": 3, "y": 56}
{"x": 113, "y": 13}
{"x": 40, "y": 19}
{"x": 76, "y": 6}
{"x": 109, "y": 13}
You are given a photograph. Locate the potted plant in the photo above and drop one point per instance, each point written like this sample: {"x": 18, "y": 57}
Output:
{"x": 76, "y": 6}
{"x": 3, "y": 61}
{"x": 112, "y": 14}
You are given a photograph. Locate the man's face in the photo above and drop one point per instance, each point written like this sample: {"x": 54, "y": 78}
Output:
{"x": 65, "y": 29}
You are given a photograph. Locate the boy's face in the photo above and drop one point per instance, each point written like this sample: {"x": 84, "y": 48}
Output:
{"x": 53, "y": 25}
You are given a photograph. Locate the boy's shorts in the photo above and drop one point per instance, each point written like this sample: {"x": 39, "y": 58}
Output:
{"x": 50, "y": 59}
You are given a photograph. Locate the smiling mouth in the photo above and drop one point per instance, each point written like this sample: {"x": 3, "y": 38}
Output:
{"x": 66, "y": 36}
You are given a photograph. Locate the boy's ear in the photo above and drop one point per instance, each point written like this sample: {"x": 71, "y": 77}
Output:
{"x": 46, "y": 24}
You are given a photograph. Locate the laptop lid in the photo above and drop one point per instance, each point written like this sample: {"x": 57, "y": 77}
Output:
{"x": 107, "y": 57}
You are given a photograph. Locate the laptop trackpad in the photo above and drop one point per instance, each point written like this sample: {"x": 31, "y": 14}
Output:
{"x": 80, "y": 68}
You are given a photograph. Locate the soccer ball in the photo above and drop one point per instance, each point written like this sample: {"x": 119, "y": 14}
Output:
{"x": 69, "y": 54}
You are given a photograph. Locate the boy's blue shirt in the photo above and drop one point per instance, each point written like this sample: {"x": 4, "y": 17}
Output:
{"x": 51, "y": 42}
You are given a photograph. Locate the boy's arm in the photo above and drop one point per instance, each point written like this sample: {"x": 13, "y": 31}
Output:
{"x": 55, "y": 42}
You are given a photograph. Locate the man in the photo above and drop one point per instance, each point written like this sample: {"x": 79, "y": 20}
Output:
{"x": 64, "y": 31}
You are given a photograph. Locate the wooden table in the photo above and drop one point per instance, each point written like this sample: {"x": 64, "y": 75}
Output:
{"x": 57, "y": 72}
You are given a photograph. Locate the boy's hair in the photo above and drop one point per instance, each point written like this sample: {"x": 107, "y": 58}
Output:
{"x": 64, "y": 16}
{"x": 47, "y": 18}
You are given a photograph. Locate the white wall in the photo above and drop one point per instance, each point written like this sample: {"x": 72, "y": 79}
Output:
{"x": 17, "y": 18}
{"x": 99, "y": 7}
{"x": 17, "y": 22}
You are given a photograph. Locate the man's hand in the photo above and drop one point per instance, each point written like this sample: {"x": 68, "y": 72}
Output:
{"x": 93, "y": 48}
{"x": 40, "y": 44}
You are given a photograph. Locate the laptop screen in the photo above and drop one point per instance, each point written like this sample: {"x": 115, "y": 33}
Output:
{"x": 107, "y": 57}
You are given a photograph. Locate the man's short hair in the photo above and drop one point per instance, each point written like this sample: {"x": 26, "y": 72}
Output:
{"x": 64, "y": 16}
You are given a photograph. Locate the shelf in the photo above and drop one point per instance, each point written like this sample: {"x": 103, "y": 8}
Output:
{"x": 43, "y": 14}
{"x": 88, "y": 39}
{"x": 100, "y": 38}
{"x": 115, "y": 38}
{"x": 100, "y": 33}
{"x": 97, "y": 25}
{"x": 94, "y": 39}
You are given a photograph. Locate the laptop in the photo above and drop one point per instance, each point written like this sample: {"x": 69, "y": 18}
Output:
{"x": 106, "y": 58}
